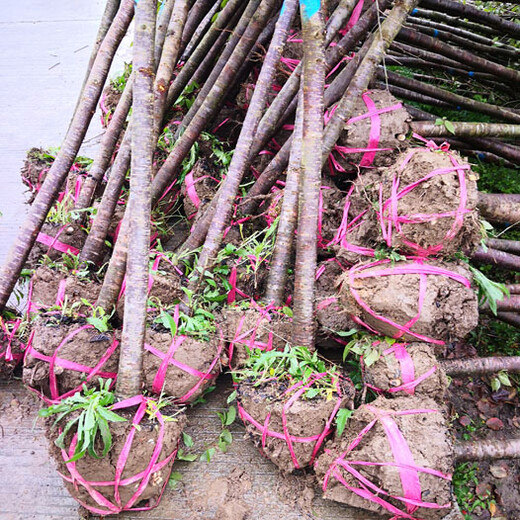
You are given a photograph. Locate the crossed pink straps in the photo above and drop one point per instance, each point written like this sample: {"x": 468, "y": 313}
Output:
{"x": 10, "y": 335}
{"x": 298, "y": 389}
{"x": 414, "y": 266}
{"x": 410, "y": 382}
{"x": 54, "y": 361}
{"x": 167, "y": 360}
{"x": 55, "y": 244}
{"x": 403, "y": 460}
{"x": 115, "y": 506}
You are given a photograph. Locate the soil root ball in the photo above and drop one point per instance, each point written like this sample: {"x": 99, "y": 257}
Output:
{"x": 288, "y": 428}
{"x": 425, "y": 205}
{"x": 374, "y": 135}
{"x": 59, "y": 359}
{"x": 254, "y": 328}
{"x": 412, "y": 300}
{"x": 51, "y": 289}
{"x": 181, "y": 367}
{"x": 331, "y": 316}
{"x": 143, "y": 448}
{"x": 11, "y": 347}
{"x": 407, "y": 369}
{"x": 395, "y": 456}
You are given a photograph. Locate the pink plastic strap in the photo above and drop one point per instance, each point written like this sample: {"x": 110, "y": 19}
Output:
{"x": 403, "y": 461}
{"x": 54, "y": 243}
{"x": 115, "y": 506}
{"x": 168, "y": 360}
{"x": 55, "y": 361}
{"x": 8, "y": 353}
{"x": 190, "y": 189}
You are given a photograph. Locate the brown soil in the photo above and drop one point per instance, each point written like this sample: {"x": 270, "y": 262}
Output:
{"x": 330, "y": 315}
{"x": 449, "y": 310}
{"x": 46, "y": 283}
{"x": 85, "y": 348}
{"x": 72, "y": 235}
{"x": 437, "y": 195}
{"x": 305, "y": 418}
{"x": 34, "y": 171}
{"x": 386, "y": 373}
{"x": 104, "y": 469}
{"x": 17, "y": 347}
{"x": 276, "y": 332}
{"x": 199, "y": 355}
{"x": 428, "y": 439}
{"x": 332, "y": 213}
{"x": 166, "y": 288}
{"x": 356, "y": 134}
{"x": 205, "y": 188}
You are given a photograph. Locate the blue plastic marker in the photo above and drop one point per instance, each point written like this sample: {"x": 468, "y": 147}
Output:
{"x": 435, "y": 33}
{"x": 471, "y": 73}
{"x": 481, "y": 156}
{"x": 309, "y": 8}
{"x": 415, "y": 11}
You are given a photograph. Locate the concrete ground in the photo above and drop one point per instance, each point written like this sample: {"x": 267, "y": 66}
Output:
{"x": 45, "y": 47}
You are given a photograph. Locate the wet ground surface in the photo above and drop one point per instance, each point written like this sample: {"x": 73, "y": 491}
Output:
{"x": 237, "y": 485}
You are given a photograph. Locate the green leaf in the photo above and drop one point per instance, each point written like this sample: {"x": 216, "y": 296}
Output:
{"x": 106, "y": 436}
{"x": 504, "y": 378}
{"x": 175, "y": 478}
{"x": 372, "y": 356}
{"x": 225, "y": 436}
{"x": 450, "y": 127}
{"x": 232, "y": 397}
{"x": 341, "y": 420}
{"x": 188, "y": 441}
{"x": 230, "y": 416}
{"x": 345, "y": 333}
{"x": 311, "y": 393}
{"x": 169, "y": 323}
{"x": 109, "y": 415}
{"x": 287, "y": 311}
{"x": 439, "y": 121}
{"x": 495, "y": 384}
{"x": 187, "y": 457}
{"x": 207, "y": 455}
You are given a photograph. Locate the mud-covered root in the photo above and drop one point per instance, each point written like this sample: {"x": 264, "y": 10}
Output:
{"x": 289, "y": 429}
{"x": 425, "y": 204}
{"x": 144, "y": 448}
{"x": 374, "y": 135}
{"x": 331, "y": 317}
{"x": 406, "y": 369}
{"x": 180, "y": 366}
{"x": 60, "y": 358}
{"x": 412, "y": 300}
{"x": 394, "y": 458}
{"x": 49, "y": 288}
{"x": 11, "y": 346}
{"x": 263, "y": 328}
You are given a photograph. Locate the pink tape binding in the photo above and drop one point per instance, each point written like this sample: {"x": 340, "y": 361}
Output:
{"x": 114, "y": 504}
{"x": 403, "y": 460}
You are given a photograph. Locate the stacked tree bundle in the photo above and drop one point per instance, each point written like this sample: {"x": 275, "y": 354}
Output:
{"x": 228, "y": 149}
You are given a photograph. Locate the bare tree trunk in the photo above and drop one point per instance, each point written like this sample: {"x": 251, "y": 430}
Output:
{"x": 129, "y": 378}
{"x": 498, "y": 258}
{"x": 68, "y": 151}
{"x": 427, "y": 129}
{"x": 480, "y": 366}
{"x": 314, "y": 67}
{"x": 487, "y": 450}
{"x": 500, "y": 208}
{"x": 509, "y": 246}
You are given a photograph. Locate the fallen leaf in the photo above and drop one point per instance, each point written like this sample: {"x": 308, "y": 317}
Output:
{"x": 495, "y": 424}
{"x": 492, "y": 508}
{"x": 483, "y": 490}
{"x": 499, "y": 470}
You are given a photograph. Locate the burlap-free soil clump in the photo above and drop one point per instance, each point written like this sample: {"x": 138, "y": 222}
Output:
{"x": 70, "y": 234}
{"x": 428, "y": 440}
{"x": 386, "y": 374}
{"x": 11, "y": 354}
{"x": 305, "y": 418}
{"x": 189, "y": 355}
{"x": 248, "y": 329}
{"x": 393, "y": 125}
{"x": 332, "y": 202}
{"x": 85, "y": 348}
{"x": 331, "y": 316}
{"x": 138, "y": 460}
{"x": 391, "y": 291}
{"x": 46, "y": 285}
{"x": 34, "y": 170}
{"x": 421, "y": 205}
